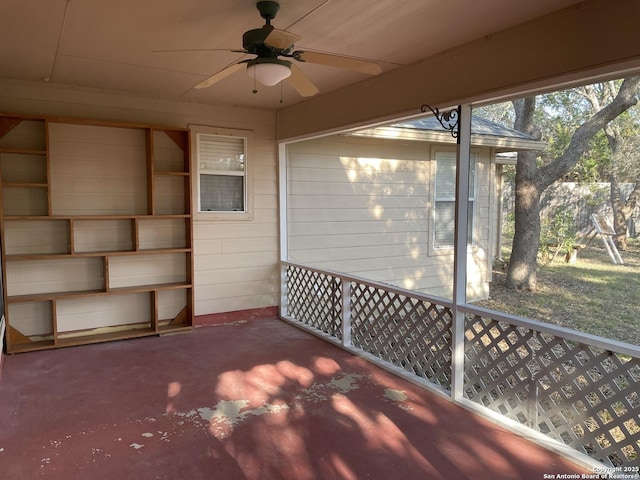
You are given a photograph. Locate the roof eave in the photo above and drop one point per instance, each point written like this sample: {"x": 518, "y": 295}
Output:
{"x": 501, "y": 144}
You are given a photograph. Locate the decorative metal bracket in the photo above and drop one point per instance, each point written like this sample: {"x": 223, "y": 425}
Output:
{"x": 449, "y": 120}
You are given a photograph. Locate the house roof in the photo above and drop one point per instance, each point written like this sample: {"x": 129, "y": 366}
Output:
{"x": 483, "y": 133}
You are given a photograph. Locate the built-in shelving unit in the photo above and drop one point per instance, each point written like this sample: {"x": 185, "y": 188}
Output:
{"x": 96, "y": 229}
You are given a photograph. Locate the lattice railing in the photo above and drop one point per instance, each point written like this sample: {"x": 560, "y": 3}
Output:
{"x": 315, "y": 299}
{"x": 577, "y": 389}
{"x": 403, "y": 330}
{"x": 582, "y": 395}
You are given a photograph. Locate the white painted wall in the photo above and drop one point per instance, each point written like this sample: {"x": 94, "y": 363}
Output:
{"x": 236, "y": 262}
{"x": 363, "y": 206}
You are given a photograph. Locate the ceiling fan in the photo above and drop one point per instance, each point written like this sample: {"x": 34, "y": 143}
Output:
{"x": 274, "y": 55}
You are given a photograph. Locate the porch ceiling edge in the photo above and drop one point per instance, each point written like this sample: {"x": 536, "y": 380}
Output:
{"x": 565, "y": 50}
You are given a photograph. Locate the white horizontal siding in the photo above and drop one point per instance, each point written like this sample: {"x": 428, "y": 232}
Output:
{"x": 97, "y": 170}
{"x": 361, "y": 239}
{"x": 212, "y": 264}
{"x": 171, "y": 303}
{"x": 363, "y": 206}
{"x": 169, "y": 195}
{"x": 24, "y": 168}
{"x": 161, "y": 233}
{"x": 36, "y": 236}
{"x": 102, "y": 235}
{"x": 32, "y": 318}
{"x": 24, "y": 201}
{"x": 129, "y": 271}
{"x": 236, "y": 275}
{"x": 28, "y": 134}
{"x": 204, "y": 230}
{"x": 167, "y": 155}
{"x": 29, "y": 277}
{"x": 302, "y": 215}
{"x": 107, "y": 311}
{"x": 313, "y": 229}
{"x": 385, "y": 269}
{"x": 236, "y": 261}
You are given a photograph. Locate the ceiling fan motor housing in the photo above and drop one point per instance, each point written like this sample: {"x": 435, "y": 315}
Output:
{"x": 253, "y": 40}
{"x": 268, "y": 10}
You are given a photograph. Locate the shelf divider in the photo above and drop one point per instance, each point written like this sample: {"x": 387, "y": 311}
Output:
{"x": 91, "y": 236}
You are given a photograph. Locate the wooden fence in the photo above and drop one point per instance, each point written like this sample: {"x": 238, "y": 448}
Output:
{"x": 581, "y": 199}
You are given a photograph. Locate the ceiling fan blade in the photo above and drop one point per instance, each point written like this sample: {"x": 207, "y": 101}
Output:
{"x": 349, "y": 63}
{"x": 281, "y": 39}
{"x": 301, "y": 83}
{"x": 224, "y": 73}
{"x": 200, "y": 50}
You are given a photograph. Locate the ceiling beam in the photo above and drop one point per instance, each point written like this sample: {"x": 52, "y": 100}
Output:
{"x": 591, "y": 38}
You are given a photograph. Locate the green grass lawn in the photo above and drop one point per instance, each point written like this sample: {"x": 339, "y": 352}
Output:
{"x": 593, "y": 295}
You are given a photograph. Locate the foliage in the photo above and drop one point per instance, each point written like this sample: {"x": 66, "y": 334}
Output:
{"x": 596, "y": 193}
{"x": 557, "y": 234}
{"x": 582, "y": 128}
{"x": 626, "y": 162}
{"x": 501, "y": 113}
{"x": 558, "y": 116}
{"x": 509, "y": 225}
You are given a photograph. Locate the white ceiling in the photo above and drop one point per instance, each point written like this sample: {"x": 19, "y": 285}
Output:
{"x": 113, "y": 44}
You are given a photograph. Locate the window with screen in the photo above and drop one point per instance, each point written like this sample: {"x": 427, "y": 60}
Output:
{"x": 445, "y": 200}
{"x": 222, "y": 173}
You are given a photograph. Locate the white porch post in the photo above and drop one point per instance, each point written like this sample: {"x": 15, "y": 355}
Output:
{"x": 460, "y": 250}
{"x": 284, "y": 247}
{"x": 346, "y": 312}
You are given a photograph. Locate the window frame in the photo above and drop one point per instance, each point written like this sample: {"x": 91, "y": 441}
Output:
{"x": 473, "y": 198}
{"x": 197, "y": 131}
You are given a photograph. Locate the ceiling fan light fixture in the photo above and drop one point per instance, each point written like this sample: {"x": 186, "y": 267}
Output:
{"x": 269, "y": 71}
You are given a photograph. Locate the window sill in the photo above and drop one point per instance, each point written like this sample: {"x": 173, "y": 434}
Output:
{"x": 223, "y": 216}
{"x": 436, "y": 251}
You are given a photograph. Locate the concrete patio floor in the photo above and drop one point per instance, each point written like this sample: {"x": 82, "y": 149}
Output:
{"x": 244, "y": 400}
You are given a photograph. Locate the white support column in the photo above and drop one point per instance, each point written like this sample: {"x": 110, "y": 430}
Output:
{"x": 346, "y": 312}
{"x": 460, "y": 251}
{"x": 284, "y": 248}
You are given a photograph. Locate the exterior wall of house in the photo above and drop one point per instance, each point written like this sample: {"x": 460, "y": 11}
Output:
{"x": 236, "y": 261}
{"x": 363, "y": 206}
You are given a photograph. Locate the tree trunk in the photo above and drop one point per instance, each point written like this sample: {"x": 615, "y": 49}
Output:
{"x": 622, "y": 211}
{"x": 523, "y": 262}
{"x": 630, "y": 206}
{"x": 531, "y": 181}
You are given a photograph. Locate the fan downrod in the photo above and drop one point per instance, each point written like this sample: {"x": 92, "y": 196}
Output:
{"x": 268, "y": 10}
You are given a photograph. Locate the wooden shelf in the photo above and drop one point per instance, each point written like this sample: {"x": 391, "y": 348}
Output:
{"x": 151, "y": 288}
{"x": 104, "y": 337}
{"x": 97, "y": 217}
{"x": 32, "y": 346}
{"x": 114, "y": 253}
{"x": 43, "y": 297}
{"x": 93, "y": 228}
{"x": 89, "y": 338}
{"x": 22, "y": 151}
{"x": 24, "y": 185}
{"x": 174, "y": 174}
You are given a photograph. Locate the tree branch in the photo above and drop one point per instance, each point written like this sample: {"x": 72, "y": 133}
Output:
{"x": 626, "y": 98}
